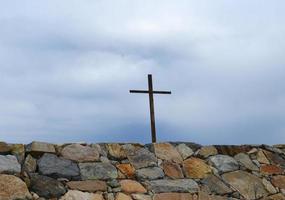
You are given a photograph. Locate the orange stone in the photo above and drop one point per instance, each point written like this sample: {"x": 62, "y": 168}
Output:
{"x": 271, "y": 170}
{"x": 173, "y": 196}
{"x": 127, "y": 169}
{"x": 196, "y": 168}
{"x": 172, "y": 170}
{"x": 279, "y": 181}
{"x": 166, "y": 151}
{"x": 130, "y": 186}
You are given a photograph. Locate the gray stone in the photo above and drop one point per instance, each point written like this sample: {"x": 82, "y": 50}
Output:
{"x": 80, "y": 153}
{"x": 244, "y": 160}
{"x": 102, "y": 171}
{"x": 39, "y": 148}
{"x": 142, "y": 158}
{"x": 150, "y": 173}
{"x": 30, "y": 164}
{"x": 165, "y": 186}
{"x": 9, "y": 164}
{"x": 215, "y": 185}
{"x": 51, "y": 165}
{"x": 46, "y": 187}
{"x": 224, "y": 163}
{"x": 184, "y": 151}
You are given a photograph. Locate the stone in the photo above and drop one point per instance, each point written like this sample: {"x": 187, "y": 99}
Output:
{"x": 18, "y": 150}
{"x": 131, "y": 186}
{"x": 9, "y": 164}
{"x": 116, "y": 151}
{"x": 39, "y": 148}
{"x": 224, "y": 163}
{"x": 172, "y": 170}
{"x": 46, "y": 187}
{"x": 275, "y": 158}
{"x": 268, "y": 186}
{"x": 78, "y": 195}
{"x": 142, "y": 158}
{"x": 184, "y": 151}
{"x": 270, "y": 170}
{"x": 245, "y": 161}
{"x": 232, "y": 150}
{"x": 88, "y": 185}
{"x": 150, "y": 173}
{"x": 127, "y": 169}
{"x": 196, "y": 168}
{"x": 4, "y": 148}
{"x": 248, "y": 185}
{"x": 261, "y": 158}
{"x": 166, "y": 151}
{"x": 178, "y": 185}
{"x": 122, "y": 196}
{"x": 278, "y": 181}
{"x": 275, "y": 197}
{"x": 215, "y": 185}
{"x": 172, "y": 196}
{"x": 30, "y": 164}
{"x": 13, "y": 188}
{"x": 51, "y": 165}
{"x": 102, "y": 171}
{"x": 141, "y": 197}
{"x": 80, "y": 153}
{"x": 207, "y": 151}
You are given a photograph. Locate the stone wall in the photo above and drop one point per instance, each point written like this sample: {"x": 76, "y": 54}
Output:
{"x": 162, "y": 171}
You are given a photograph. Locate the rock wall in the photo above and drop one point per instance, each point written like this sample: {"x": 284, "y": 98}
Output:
{"x": 162, "y": 171}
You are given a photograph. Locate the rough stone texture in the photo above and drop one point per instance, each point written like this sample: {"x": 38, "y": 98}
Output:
{"x": 122, "y": 196}
{"x": 142, "y": 158}
{"x": 216, "y": 186}
{"x": 184, "y": 151}
{"x": 179, "y": 185}
{"x": 172, "y": 170}
{"x": 88, "y": 185}
{"x": 232, "y": 150}
{"x": 131, "y": 186}
{"x": 9, "y": 164}
{"x": 260, "y": 156}
{"x": 39, "y": 148}
{"x": 141, "y": 197}
{"x": 271, "y": 170}
{"x": 275, "y": 158}
{"x": 4, "y": 148}
{"x": 127, "y": 169}
{"x": 18, "y": 150}
{"x": 207, "y": 151}
{"x": 166, "y": 151}
{"x": 172, "y": 196}
{"x": 196, "y": 168}
{"x": 46, "y": 187}
{"x": 245, "y": 161}
{"x": 116, "y": 151}
{"x": 248, "y": 185}
{"x": 279, "y": 181}
{"x": 78, "y": 195}
{"x": 224, "y": 163}
{"x": 150, "y": 173}
{"x": 102, "y": 171}
{"x": 51, "y": 165}
{"x": 30, "y": 164}
{"x": 80, "y": 153}
{"x": 13, "y": 188}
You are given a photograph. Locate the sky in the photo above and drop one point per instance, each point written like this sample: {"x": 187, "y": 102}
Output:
{"x": 66, "y": 68}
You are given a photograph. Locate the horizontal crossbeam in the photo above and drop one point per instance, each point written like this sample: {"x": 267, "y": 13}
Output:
{"x": 147, "y": 91}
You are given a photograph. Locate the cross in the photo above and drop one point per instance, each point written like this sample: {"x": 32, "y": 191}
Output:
{"x": 150, "y": 93}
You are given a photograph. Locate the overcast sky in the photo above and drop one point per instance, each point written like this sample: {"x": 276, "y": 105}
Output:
{"x": 66, "y": 68}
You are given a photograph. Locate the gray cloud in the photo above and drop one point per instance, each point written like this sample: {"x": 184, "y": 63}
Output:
{"x": 66, "y": 68}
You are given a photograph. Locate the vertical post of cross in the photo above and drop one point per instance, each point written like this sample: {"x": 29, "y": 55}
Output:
{"x": 151, "y": 106}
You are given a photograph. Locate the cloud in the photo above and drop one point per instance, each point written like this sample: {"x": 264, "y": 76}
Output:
{"x": 66, "y": 68}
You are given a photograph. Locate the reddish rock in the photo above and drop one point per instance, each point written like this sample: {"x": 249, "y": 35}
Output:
{"x": 271, "y": 170}
{"x": 172, "y": 170}
{"x": 88, "y": 186}
{"x": 126, "y": 169}
{"x": 196, "y": 168}
{"x": 166, "y": 151}
{"x": 232, "y": 150}
{"x": 130, "y": 186}
{"x": 279, "y": 181}
{"x": 173, "y": 196}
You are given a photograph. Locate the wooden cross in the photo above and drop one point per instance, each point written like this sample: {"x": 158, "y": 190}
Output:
{"x": 150, "y": 92}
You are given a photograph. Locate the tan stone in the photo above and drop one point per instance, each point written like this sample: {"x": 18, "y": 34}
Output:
{"x": 130, "y": 186}
{"x": 196, "y": 168}
{"x": 39, "y": 148}
{"x": 80, "y": 153}
{"x": 275, "y": 197}
{"x": 78, "y": 195}
{"x": 207, "y": 151}
{"x": 279, "y": 181}
{"x": 13, "y": 188}
{"x": 88, "y": 186}
{"x": 141, "y": 197}
{"x": 127, "y": 169}
{"x": 260, "y": 156}
{"x": 271, "y": 170}
{"x": 122, "y": 196}
{"x": 19, "y": 151}
{"x": 268, "y": 186}
{"x": 117, "y": 151}
{"x": 173, "y": 196}
{"x": 166, "y": 151}
{"x": 172, "y": 170}
{"x": 4, "y": 147}
{"x": 205, "y": 196}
